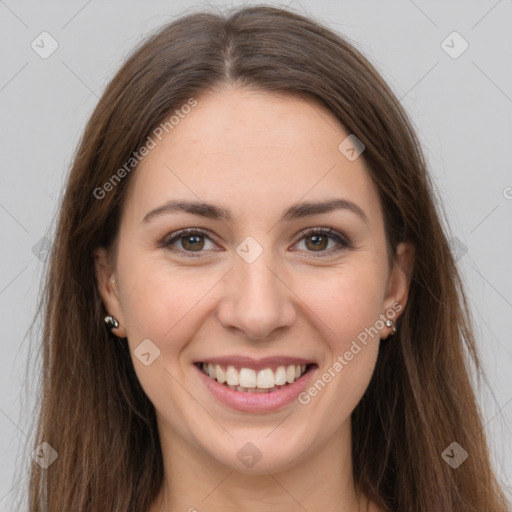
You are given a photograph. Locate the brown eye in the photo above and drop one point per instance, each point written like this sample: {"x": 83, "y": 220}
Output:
{"x": 324, "y": 242}
{"x": 317, "y": 242}
{"x": 188, "y": 242}
{"x": 192, "y": 242}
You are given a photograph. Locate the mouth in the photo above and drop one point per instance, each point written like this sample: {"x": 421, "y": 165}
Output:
{"x": 255, "y": 378}
{"x": 256, "y": 386}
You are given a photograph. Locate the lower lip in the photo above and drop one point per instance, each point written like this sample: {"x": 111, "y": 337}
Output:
{"x": 256, "y": 402}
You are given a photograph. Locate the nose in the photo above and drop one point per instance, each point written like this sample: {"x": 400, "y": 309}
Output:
{"x": 257, "y": 301}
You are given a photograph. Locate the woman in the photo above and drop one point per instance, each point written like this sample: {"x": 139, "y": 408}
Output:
{"x": 251, "y": 302}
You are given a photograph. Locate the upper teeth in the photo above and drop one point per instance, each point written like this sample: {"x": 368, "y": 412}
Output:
{"x": 249, "y": 378}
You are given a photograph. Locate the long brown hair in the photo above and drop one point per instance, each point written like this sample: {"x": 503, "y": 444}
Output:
{"x": 93, "y": 411}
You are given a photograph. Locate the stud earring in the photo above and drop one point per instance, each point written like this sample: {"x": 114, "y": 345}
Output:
{"x": 390, "y": 323}
{"x": 111, "y": 322}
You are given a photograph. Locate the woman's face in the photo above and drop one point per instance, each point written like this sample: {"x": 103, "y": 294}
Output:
{"x": 252, "y": 289}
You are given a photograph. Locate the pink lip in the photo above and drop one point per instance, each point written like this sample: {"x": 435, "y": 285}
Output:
{"x": 256, "y": 402}
{"x": 256, "y": 364}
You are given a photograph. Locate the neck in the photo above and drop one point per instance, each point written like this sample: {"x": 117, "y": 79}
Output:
{"x": 321, "y": 480}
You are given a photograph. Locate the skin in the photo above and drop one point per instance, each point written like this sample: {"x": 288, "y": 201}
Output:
{"x": 255, "y": 153}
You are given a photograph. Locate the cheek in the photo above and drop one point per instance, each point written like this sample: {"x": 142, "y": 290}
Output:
{"x": 160, "y": 302}
{"x": 347, "y": 308}
{"x": 345, "y": 301}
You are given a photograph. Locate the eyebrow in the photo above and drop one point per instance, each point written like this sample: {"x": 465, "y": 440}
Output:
{"x": 296, "y": 211}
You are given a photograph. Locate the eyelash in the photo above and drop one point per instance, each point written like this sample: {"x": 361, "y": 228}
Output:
{"x": 343, "y": 242}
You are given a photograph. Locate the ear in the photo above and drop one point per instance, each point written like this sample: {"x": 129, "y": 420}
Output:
{"x": 397, "y": 290}
{"x": 107, "y": 286}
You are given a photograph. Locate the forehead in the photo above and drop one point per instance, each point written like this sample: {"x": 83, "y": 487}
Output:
{"x": 250, "y": 149}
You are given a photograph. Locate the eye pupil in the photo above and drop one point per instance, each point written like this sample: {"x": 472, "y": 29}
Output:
{"x": 319, "y": 242}
{"x": 195, "y": 241}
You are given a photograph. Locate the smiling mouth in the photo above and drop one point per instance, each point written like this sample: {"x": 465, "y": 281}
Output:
{"x": 248, "y": 380}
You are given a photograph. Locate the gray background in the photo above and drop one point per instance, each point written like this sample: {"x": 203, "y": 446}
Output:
{"x": 460, "y": 106}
